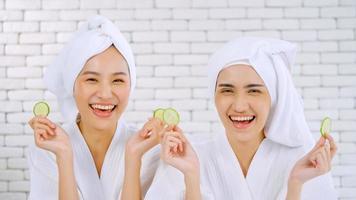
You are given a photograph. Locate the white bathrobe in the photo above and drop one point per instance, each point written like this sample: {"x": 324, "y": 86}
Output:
{"x": 44, "y": 173}
{"x": 222, "y": 177}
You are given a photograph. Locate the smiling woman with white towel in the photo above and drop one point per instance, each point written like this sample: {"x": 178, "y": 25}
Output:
{"x": 92, "y": 78}
{"x": 266, "y": 151}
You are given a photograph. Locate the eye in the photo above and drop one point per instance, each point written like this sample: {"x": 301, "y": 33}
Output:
{"x": 254, "y": 91}
{"x": 91, "y": 80}
{"x": 118, "y": 81}
{"x": 226, "y": 91}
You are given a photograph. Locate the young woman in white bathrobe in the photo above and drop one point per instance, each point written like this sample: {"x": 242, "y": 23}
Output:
{"x": 93, "y": 78}
{"x": 267, "y": 151}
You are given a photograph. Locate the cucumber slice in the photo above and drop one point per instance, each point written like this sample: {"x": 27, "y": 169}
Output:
{"x": 171, "y": 116}
{"x": 325, "y": 126}
{"x": 41, "y": 109}
{"x": 158, "y": 113}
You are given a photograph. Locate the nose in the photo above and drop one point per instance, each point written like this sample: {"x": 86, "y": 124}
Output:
{"x": 240, "y": 104}
{"x": 104, "y": 91}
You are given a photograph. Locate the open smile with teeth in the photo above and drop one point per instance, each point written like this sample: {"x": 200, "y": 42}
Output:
{"x": 241, "y": 121}
{"x": 103, "y": 108}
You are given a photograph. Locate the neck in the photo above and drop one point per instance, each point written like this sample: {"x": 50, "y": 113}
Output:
{"x": 98, "y": 141}
{"x": 245, "y": 150}
{"x": 96, "y": 138}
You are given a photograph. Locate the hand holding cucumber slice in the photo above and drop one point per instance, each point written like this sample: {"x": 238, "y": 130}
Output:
{"x": 169, "y": 115}
{"x": 41, "y": 108}
{"x": 325, "y": 126}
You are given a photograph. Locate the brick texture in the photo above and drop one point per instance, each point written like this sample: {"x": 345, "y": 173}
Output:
{"x": 172, "y": 41}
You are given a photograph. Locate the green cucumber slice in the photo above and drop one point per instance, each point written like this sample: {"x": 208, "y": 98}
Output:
{"x": 158, "y": 113}
{"x": 171, "y": 116}
{"x": 325, "y": 126}
{"x": 41, "y": 109}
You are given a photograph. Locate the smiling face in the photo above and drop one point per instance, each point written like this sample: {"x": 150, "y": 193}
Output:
{"x": 102, "y": 89}
{"x": 243, "y": 102}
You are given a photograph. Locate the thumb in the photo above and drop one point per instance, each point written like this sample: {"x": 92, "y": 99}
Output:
{"x": 163, "y": 131}
{"x": 318, "y": 144}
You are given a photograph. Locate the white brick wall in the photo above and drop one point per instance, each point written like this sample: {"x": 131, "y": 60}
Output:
{"x": 172, "y": 41}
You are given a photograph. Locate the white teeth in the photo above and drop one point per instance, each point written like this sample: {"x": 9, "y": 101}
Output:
{"x": 102, "y": 107}
{"x": 241, "y": 119}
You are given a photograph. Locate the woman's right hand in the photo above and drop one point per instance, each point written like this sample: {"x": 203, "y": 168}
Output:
{"x": 178, "y": 152}
{"x": 50, "y": 136}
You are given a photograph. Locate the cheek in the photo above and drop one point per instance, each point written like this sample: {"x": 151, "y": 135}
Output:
{"x": 82, "y": 94}
{"x": 222, "y": 104}
{"x": 80, "y": 100}
{"x": 263, "y": 109}
{"x": 122, "y": 93}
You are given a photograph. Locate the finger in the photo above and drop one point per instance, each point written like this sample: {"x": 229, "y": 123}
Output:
{"x": 43, "y": 133}
{"x": 328, "y": 153}
{"x": 147, "y": 127}
{"x": 177, "y": 129}
{"x": 164, "y": 132}
{"x": 333, "y": 147}
{"x": 46, "y": 121}
{"x": 145, "y": 131}
{"x": 165, "y": 144}
{"x": 169, "y": 127}
{"x": 157, "y": 127}
{"x": 318, "y": 144}
{"x": 172, "y": 147}
{"x": 178, "y": 135}
{"x": 33, "y": 122}
{"x": 165, "y": 151}
{"x": 164, "y": 137}
{"x": 313, "y": 157}
{"x": 181, "y": 147}
{"x": 43, "y": 123}
{"x": 175, "y": 148}
{"x": 38, "y": 137}
{"x": 176, "y": 140}
{"x": 153, "y": 126}
{"x": 179, "y": 140}
{"x": 49, "y": 130}
{"x": 324, "y": 155}
{"x": 321, "y": 163}
{"x": 30, "y": 122}
{"x": 41, "y": 136}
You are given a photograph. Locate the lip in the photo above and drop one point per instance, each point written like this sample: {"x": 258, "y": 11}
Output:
{"x": 242, "y": 125}
{"x": 101, "y": 113}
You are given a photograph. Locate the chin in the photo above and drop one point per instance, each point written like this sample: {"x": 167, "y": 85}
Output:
{"x": 104, "y": 124}
{"x": 241, "y": 136}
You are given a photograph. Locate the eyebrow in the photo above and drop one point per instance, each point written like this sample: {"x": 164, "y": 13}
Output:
{"x": 254, "y": 85}
{"x": 96, "y": 73}
{"x": 246, "y": 86}
{"x": 225, "y": 85}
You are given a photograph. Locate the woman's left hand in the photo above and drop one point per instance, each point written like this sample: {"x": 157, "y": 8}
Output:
{"x": 317, "y": 162}
{"x": 146, "y": 138}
